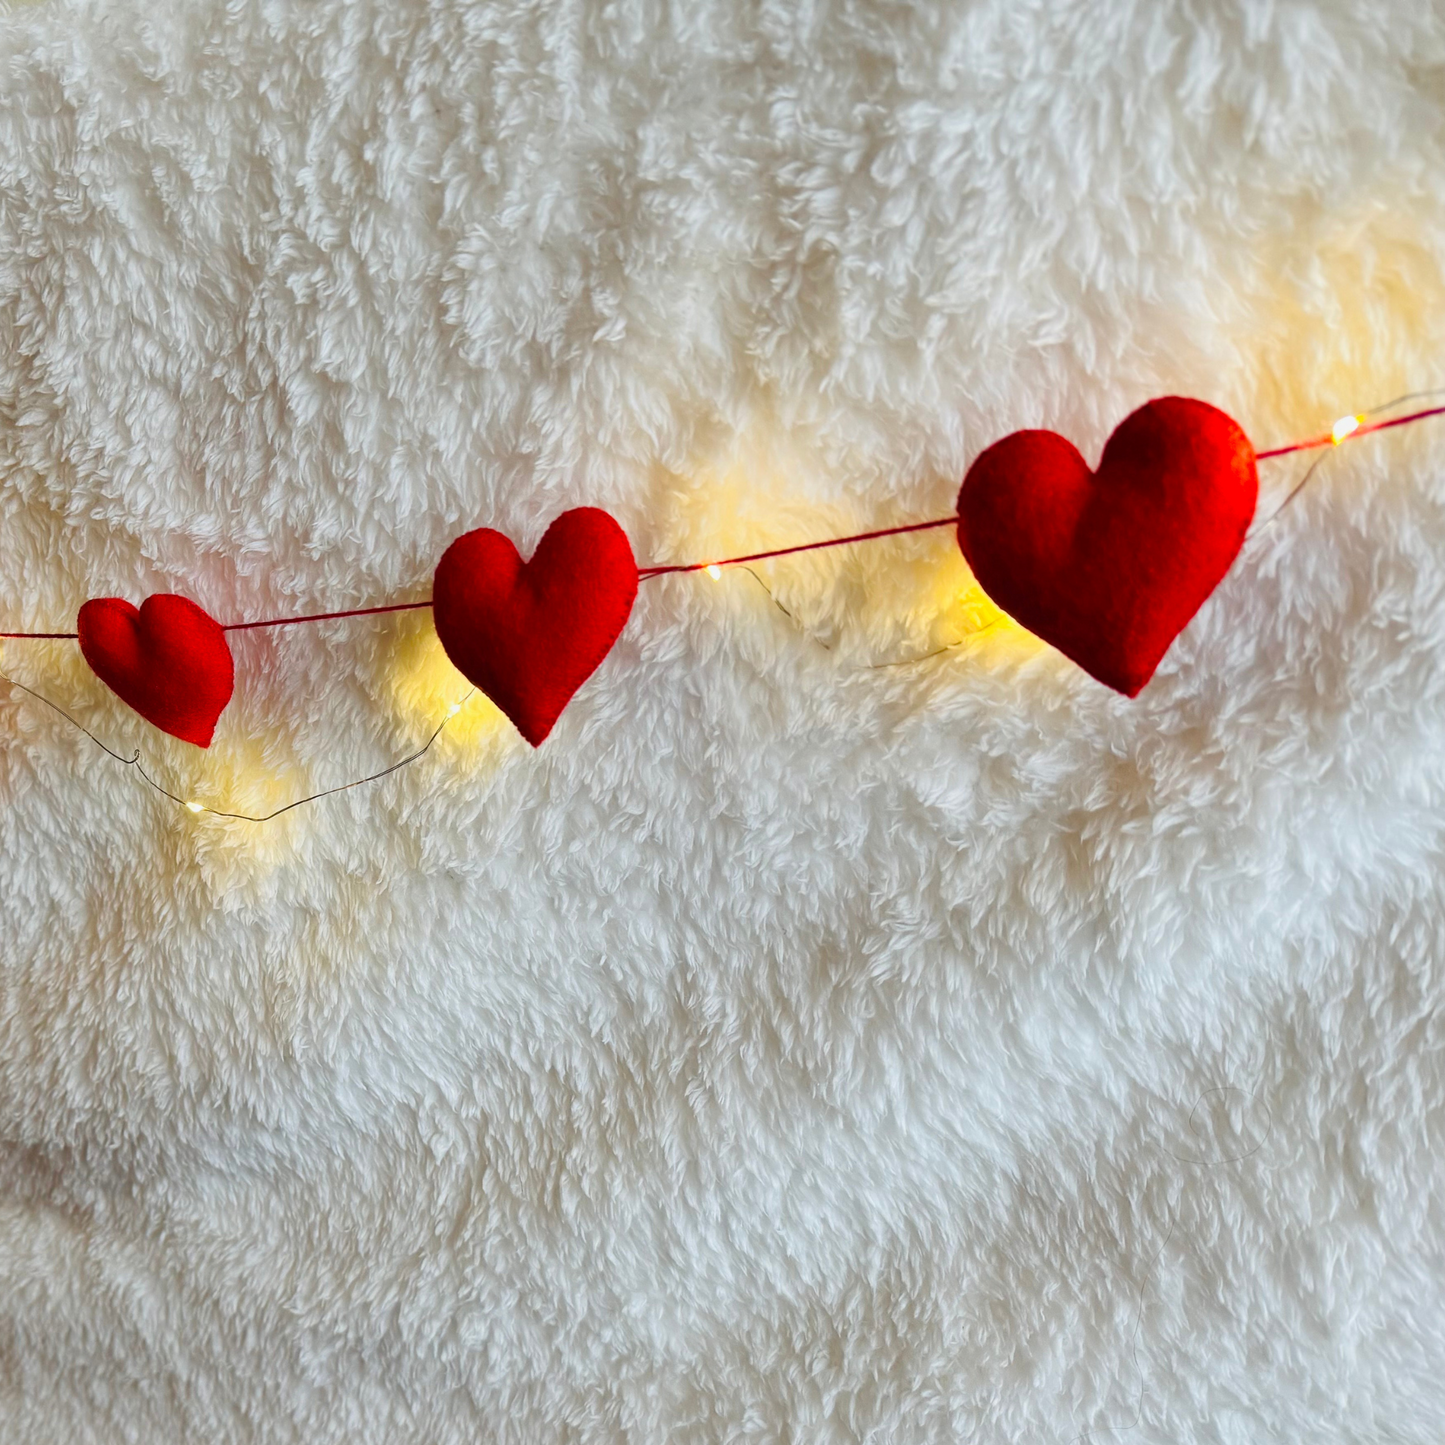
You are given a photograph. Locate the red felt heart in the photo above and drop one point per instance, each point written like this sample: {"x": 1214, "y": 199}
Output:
{"x": 529, "y": 634}
{"x": 1109, "y": 566}
{"x": 168, "y": 660}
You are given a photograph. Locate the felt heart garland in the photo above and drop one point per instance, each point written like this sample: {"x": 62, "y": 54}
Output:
{"x": 168, "y": 659}
{"x": 529, "y": 634}
{"x": 1108, "y": 566}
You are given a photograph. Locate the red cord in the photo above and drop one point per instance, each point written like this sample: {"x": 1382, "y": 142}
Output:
{"x": 323, "y": 616}
{"x": 1364, "y": 429}
{"x": 645, "y": 572}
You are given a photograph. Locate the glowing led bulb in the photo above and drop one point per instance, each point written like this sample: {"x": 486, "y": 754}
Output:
{"x": 196, "y": 807}
{"x": 454, "y": 709}
{"x": 714, "y": 571}
{"x": 1346, "y": 426}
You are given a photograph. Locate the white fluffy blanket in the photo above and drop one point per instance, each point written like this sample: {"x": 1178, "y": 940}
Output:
{"x": 793, "y": 1048}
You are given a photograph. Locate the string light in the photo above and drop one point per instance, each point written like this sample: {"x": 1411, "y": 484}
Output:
{"x": 190, "y": 804}
{"x": 1347, "y": 427}
{"x": 1358, "y": 425}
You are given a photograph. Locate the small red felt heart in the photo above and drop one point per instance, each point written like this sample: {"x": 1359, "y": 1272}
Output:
{"x": 168, "y": 660}
{"x": 1110, "y": 566}
{"x": 529, "y": 634}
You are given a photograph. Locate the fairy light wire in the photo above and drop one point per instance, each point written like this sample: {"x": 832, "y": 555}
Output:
{"x": 1363, "y": 428}
{"x": 1347, "y": 428}
{"x": 191, "y": 805}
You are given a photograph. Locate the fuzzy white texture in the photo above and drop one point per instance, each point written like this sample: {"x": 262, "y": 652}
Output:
{"x": 791, "y": 1048}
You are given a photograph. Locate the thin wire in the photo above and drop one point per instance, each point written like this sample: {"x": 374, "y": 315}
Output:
{"x": 1328, "y": 438}
{"x": 1401, "y": 400}
{"x": 134, "y": 762}
{"x": 827, "y": 647}
{"x": 1294, "y": 491}
{"x": 1395, "y": 421}
{"x": 410, "y": 758}
{"x": 1138, "y": 1370}
{"x": 922, "y": 657}
{"x": 1304, "y": 481}
{"x": 74, "y": 722}
{"x": 1231, "y": 1158}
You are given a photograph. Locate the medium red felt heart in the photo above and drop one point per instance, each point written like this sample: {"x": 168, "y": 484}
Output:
{"x": 529, "y": 634}
{"x": 168, "y": 659}
{"x": 1109, "y": 566}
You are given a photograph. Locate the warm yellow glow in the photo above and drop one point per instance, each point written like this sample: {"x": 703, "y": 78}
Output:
{"x": 196, "y": 807}
{"x": 1346, "y": 426}
{"x": 901, "y": 598}
{"x": 427, "y": 688}
{"x": 761, "y": 493}
{"x": 1361, "y": 321}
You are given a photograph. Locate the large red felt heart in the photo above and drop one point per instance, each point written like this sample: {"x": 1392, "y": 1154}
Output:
{"x": 529, "y": 634}
{"x": 1109, "y": 566}
{"x": 168, "y": 660}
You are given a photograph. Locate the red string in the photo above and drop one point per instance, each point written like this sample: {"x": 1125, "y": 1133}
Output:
{"x": 320, "y": 616}
{"x": 1309, "y": 444}
{"x": 1364, "y": 429}
{"x": 645, "y": 572}
{"x": 1304, "y": 446}
{"x": 266, "y": 621}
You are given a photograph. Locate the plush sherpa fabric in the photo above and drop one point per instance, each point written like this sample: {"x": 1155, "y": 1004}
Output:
{"x": 1110, "y": 565}
{"x": 805, "y": 1043}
